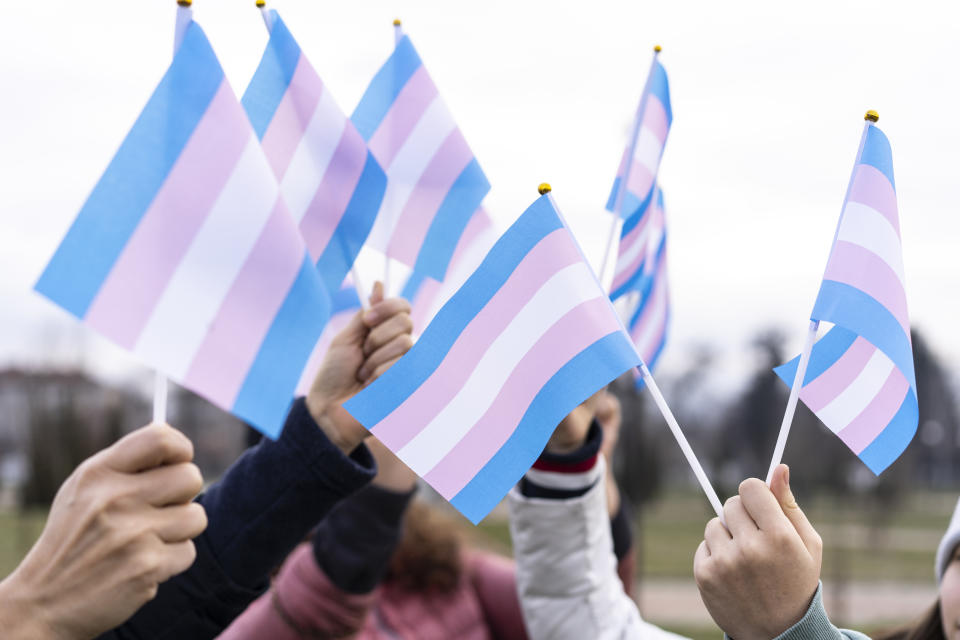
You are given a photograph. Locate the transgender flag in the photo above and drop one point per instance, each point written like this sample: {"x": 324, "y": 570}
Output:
{"x": 186, "y": 255}
{"x": 344, "y": 304}
{"x": 650, "y": 303}
{"x": 529, "y": 336}
{"x": 434, "y": 184}
{"x": 860, "y": 379}
{"x": 330, "y": 181}
{"x": 426, "y": 295}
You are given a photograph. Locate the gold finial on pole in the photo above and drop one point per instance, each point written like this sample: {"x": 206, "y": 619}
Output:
{"x": 544, "y": 188}
{"x": 657, "y": 48}
{"x": 872, "y": 116}
{"x": 184, "y": 3}
{"x": 396, "y": 22}
{"x": 261, "y": 4}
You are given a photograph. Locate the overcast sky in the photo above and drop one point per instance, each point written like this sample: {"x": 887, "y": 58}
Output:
{"x": 768, "y": 100}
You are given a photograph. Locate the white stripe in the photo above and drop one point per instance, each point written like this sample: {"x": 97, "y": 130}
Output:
{"x": 870, "y": 229}
{"x": 203, "y": 278}
{"x": 566, "y": 289}
{"x": 859, "y": 394}
{"x": 648, "y": 150}
{"x": 638, "y": 246}
{"x": 645, "y": 332}
{"x": 408, "y": 165}
{"x": 312, "y": 157}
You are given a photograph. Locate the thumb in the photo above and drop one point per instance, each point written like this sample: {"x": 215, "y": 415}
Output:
{"x": 377, "y": 294}
{"x": 780, "y": 486}
{"x": 355, "y": 331}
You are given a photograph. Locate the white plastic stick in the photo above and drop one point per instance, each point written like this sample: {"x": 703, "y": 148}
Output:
{"x": 682, "y": 441}
{"x": 267, "y": 19}
{"x": 184, "y": 18}
{"x": 627, "y": 168}
{"x": 792, "y": 400}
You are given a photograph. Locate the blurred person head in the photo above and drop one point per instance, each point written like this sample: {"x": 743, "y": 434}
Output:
{"x": 942, "y": 620}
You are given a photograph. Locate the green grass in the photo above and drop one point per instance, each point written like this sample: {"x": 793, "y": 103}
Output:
{"x": 17, "y": 534}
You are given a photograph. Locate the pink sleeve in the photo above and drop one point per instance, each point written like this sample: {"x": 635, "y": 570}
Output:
{"x": 301, "y": 603}
{"x": 495, "y": 580}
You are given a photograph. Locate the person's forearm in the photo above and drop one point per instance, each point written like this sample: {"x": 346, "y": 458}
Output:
{"x": 20, "y": 617}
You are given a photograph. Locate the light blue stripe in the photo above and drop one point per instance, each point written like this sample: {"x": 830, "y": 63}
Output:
{"x": 340, "y": 253}
{"x": 877, "y": 153}
{"x": 412, "y": 286}
{"x": 267, "y": 391}
{"x": 642, "y": 282}
{"x": 345, "y": 299}
{"x": 895, "y": 437}
{"x": 612, "y": 198}
{"x": 638, "y": 381}
{"x": 631, "y": 203}
{"x": 273, "y": 75}
{"x": 576, "y": 381}
{"x": 660, "y": 87}
{"x": 853, "y": 309}
{"x": 385, "y": 87}
{"x": 825, "y": 352}
{"x": 135, "y": 175}
{"x": 638, "y": 209}
{"x": 451, "y": 219}
{"x": 377, "y": 401}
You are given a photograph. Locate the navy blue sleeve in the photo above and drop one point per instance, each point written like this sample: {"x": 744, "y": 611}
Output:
{"x": 265, "y": 504}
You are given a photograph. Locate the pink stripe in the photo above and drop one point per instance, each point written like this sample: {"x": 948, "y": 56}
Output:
{"x": 823, "y": 389}
{"x": 864, "y": 270}
{"x": 640, "y": 180}
{"x": 659, "y": 306}
{"x": 871, "y": 187}
{"x": 337, "y": 187}
{"x": 554, "y": 252}
{"x": 130, "y": 292}
{"x": 574, "y": 332}
{"x": 624, "y": 274}
{"x": 423, "y": 303}
{"x": 623, "y": 163}
{"x": 292, "y": 117}
{"x": 404, "y": 113}
{"x": 659, "y": 289}
{"x": 433, "y": 186}
{"x": 334, "y": 326}
{"x": 235, "y": 335}
{"x": 479, "y": 223}
{"x": 655, "y": 118}
{"x": 865, "y": 428}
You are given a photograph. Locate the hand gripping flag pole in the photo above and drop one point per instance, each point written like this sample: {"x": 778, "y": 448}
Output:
{"x": 662, "y": 405}
{"x": 621, "y": 192}
{"x": 870, "y": 118}
{"x": 184, "y": 16}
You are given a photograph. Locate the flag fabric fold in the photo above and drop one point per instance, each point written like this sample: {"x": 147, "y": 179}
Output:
{"x": 529, "y": 336}
{"x": 860, "y": 381}
{"x": 640, "y": 196}
{"x": 185, "y": 252}
{"x": 434, "y": 182}
{"x": 331, "y": 182}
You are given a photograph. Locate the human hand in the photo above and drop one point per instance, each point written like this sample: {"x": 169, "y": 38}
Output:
{"x": 610, "y": 418}
{"x": 757, "y": 578}
{"x": 371, "y": 342}
{"x": 572, "y": 431}
{"x": 392, "y": 473}
{"x": 121, "y": 524}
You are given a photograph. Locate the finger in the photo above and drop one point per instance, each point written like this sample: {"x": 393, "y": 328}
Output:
{"x": 169, "y": 485}
{"x": 180, "y": 522}
{"x": 762, "y": 506}
{"x": 148, "y": 447}
{"x": 739, "y": 522}
{"x": 780, "y": 487}
{"x": 700, "y": 559}
{"x": 391, "y": 351}
{"x": 383, "y": 310}
{"x": 397, "y": 325}
{"x": 354, "y": 332}
{"x": 177, "y": 558}
{"x": 716, "y": 535}
{"x": 377, "y": 294}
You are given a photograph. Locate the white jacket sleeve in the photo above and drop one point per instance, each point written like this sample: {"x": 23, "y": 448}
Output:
{"x": 566, "y": 569}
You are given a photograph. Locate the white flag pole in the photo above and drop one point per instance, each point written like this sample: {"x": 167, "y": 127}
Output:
{"x": 628, "y": 167}
{"x": 397, "y": 37}
{"x": 870, "y": 117}
{"x": 184, "y": 17}
{"x": 265, "y": 14}
{"x": 651, "y": 384}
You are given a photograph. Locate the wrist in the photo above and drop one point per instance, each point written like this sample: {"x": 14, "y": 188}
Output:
{"x": 21, "y": 616}
{"x": 331, "y": 420}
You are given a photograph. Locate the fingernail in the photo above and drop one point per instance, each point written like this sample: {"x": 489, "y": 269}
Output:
{"x": 786, "y": 475}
